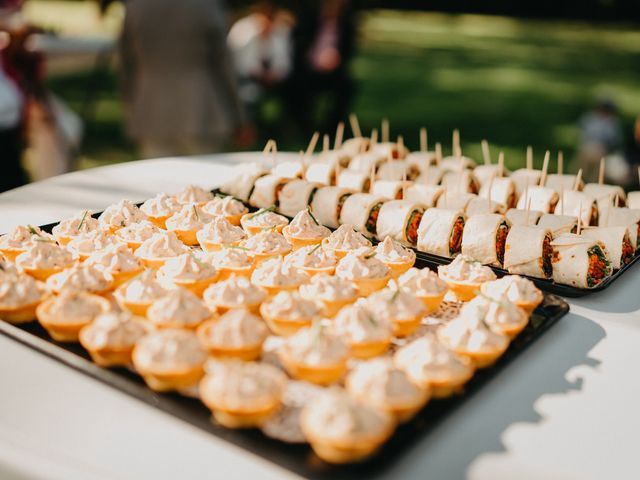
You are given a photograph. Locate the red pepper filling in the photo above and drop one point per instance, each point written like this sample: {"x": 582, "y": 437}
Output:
{"x": 455, "y": 242}
{"x": 412, "y": 226}
{"x": 627, "y": 250}
{"x": 276, "y": 193}
{"x": 341, "y": 201}
{"x": 593, "y": 218}
{"x": 373, "y": 218}
{"x": 501, "y": 240}
{"x": 399, "y": 195}
{"x": 547, "y": 256}
{"x": 599, "y": 267}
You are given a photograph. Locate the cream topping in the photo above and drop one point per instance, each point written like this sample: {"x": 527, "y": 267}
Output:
{"x": 138, "y": 232}
{"x": 162, "y": 205}
{"x": 267, "y": 241}
{"x": 220, "y": 231}
{"x": 178, "y": 308}
{"x": 226, "y": 206}
{"x": 194, "y": 194}
{"x": 328, "y": 287}
{"x": 390, "y": 251}
{"x": 190, "y": 217}
{"x": 361, "y": 263}
{"x": 311, "y": 256}
{"x": 162, "y": 245}
{"x": 81, "y": 277}
{"x": 20, "y": 290}
{"x": 44, "y": 255}
{"x": 264, "y": 218}
{"x": 235, "y": 291}
{"x": 422, "y": 282}
{"x": 426, "y": 358}
{"x": 231, "y": 257}
{"x": 464, "y": 269}
{"x": 471, "y": 333}
{"x": 120, "y": 215}
{"x": 186, "y": 267}
{"x": 142, "y": 289}
{"x": 75, "y": 306}
{"x": 23, "y": 236}
{"x": 115, "y": 259}
{"x": 316, "y": 346}
{"x": 169, "y": 350}
{"x": 379, "y": 382}
{"x": 115, "y": 330}
{"x": 495, "y": 311}
{"x": 87, "y": 243}
{"x": 275, "y": 272}
{"x": 8, "y": 270}
{"x": 237, "y": 328}
{"x": 81, "y": 222}
{"x": 514, "y": 287}
{"x": 305, "y": 225}
{"x": 358, "y": 324}
{"x": 291, "y": 306}
{"x": 395, "y": 303}
{"x": 346, "y": 238}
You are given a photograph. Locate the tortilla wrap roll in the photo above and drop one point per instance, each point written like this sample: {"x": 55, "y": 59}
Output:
{"x": 523, "y": 178}
{"x": 364, "y": 162}
{"x": 502, "y": 191}
{"x": 579, "y": 261}
{"x": 397, "y": 169}
{"x": 389, "y": 189}
{"x": 426, "y": 194}
{"x": 454, "y": 200}
{"x": 484, "y": 173}
{"x": 440, "y": 232}
{"x": 522, "y": 217}
{"x": 354, "y": 181}
{"x": 327, "y": 204}
{"x": 604, "y": 194}
{"x": 361, "y": 210}
{"x": 464, "y": 181}
{"x": 355, "y": 145}
{"x": 623, "y": 217}
{"x": 562, "y": 182}
{"x": 289, "y": 169}
{"x": 570, "y": 204}
{"x": 321, "y": 173}
{"x": 455, "y": 163}
{"x": 333, "y": 157}
{"x": 432, "y": 176}
{"x": 242, "y": 183}
{"x": 296, "y": 196}
{"x": 481, "y": 206}
{"x": 528, "y": 251}
{"x": 392, "y": 149}
{"x": 633, "y": 199}
{"x": 266, "y": 190}
{"x": 542, "y": 199}
{"x": 400, "y": 220}
{"x": 616, "y": 241}
{"x": 484, "y": 238}
{"x": 558, "y": 224}
{"x": 421, "y": 158}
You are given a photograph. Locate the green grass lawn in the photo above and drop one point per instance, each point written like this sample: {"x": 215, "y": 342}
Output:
{"x": 513, "y": 82}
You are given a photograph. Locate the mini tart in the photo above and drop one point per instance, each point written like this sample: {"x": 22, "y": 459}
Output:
{"x": 237, "y": 334}
{"x": 333, "y": 292}
{"x": 136, "y": 233}
{"x": 44, "y": 259}
{"x": 267, "y": 244}
{"x": 425, "y": 285}
{"x": 242, "y": 395}
{"x": 429, "y": 363}
{"x": 193, "y": 194}
{"x": 383, "y": 385}
{"x": 19, "y": 239}
{"x": 179, "y": 308}
{"x": 218, "y": 233}
{"x": 364, "y": 270}
{"x": 186, "y": 223}
{"x": 275, "y": 276}
{"x": 305, "y": 230}
{"x": 288, "y": 312}
{"x": 82, "y": 246}
{"x": 155, "y": 251}
{"x": 315, "y": 355}
{"x": 89, "y": 278}
{"x": 232, "y": 260}
{"x": 82, "y": 223}
{"x": 64, "y": 315}
{"x": 465, "y": 276}
{"x": 121, "y": 214}
{"x": 518, "y": 290}
{"x": 367, "y": 333}
{"x": 263, "y": 219}
{"x": 399, "y": 259}
{"x": 139, "y": 293}
{"x": 188, "y": 272}
{"x": 159, "y": 208}
{"x": 119, "y": 261}
{"x": 344, "y": 240}
{"x": 312, "y": 260}
{"x": 169, "y": 359}
{"x": 20, "y": 295}
{"x": 403, "y": 309}
{"x": 235, "y": 292}
{"x": 471, "y": 337}
{"x": 110, "y": 338}
{"x": 230, "y": 208}
{"x": 342, "y": 430}
{"x": 498, "y": 313}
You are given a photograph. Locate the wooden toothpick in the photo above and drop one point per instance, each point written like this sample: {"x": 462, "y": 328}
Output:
{"x": 355, "y": 125}
{"x": 438, "y": 153}
{"x": 501, "y": 164}
{"x": 385, "y": 130}
{"x": 601, "y": 172}
{"x": 325, "y": 143}
{"x": 486, "y": 155}
{"x": 457, "y": 151}
{"x": 404, "y": 181}
{"x": 529, "y": 157}
{"x": 339, "y": 136}
{"x": 579, "y": 217}
{"x": 312, "y": 143}
{"x": 561, "y": 199}
{"x": 576, "y": 184}
{"x": 560, "y": 162}
{"x": 528, "y": 209}
{"x": 400, "y": 145}
{"x": 545, "y": 168}
{"x": 424, "y": 146}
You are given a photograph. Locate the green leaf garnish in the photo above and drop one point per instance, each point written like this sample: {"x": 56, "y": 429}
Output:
{"x": 312, "y": 251}
{"x": 82, "y": 221}
{"x": 32, "y": 230}
{"x": 372, "y": 319}
{"x": 239, "y": 247}
{"x": 370, "y": 255}
{"x": 272, "y": 228}
{"x": 263, "y": 210}
{"x": 395, "y": 295}
{"x": 311, "y": 215}
{"x": 199, "y": 262}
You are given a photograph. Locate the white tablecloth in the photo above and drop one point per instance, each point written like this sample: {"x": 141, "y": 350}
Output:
{"x": 566, "y": 408}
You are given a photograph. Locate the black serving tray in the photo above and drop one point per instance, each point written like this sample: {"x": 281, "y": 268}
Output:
{"x": 299, "y": 459}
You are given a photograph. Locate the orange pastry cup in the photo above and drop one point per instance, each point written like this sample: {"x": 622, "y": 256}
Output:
{"x": 66, "y": 331}
{"x": 275, "y": 289}
{"x": 169, "y": 380}
{"x": 252, "y": 307}
{"x": 188, "y": 237}
{"x": 482, "y": 359}
{"x": 241, "y": 418}
{"x": 512, "y": 330}
{"x": 529, "y": 307}
{"x": 63, "y": 240}
{"x": 255, "y": 229}
{"x": 464, "y": 291}
{"x": 225, "y": 272}
{"x": 122, "y": 277}
{"x": 11, "y": 253}
{"x": 339, "y": 253}
{"x": 246, "y": 353}
{"x": 261, "y": 257}
{"x": 215, "y": 247}
{"x": 159, "y": 221}
{"x": 332, "y": 307}
{"x": 137, "y": 308}
{"x": 234, "y": 219}
{"x": 283, "y": 326}
{"x": 195, "y": 286}
{"x": 347, "y": 450}
{"x": 155, "y": 263}
{"x": 320, "y": 375}
{"x": 42, "y": 273}
{"x": 444, "y": 388}
{"x": 403, "y": 327}
{"x": 18, "y": 315}
{"x": 366, "y": 286}
{"x": 365, "y": 350}
{"x": 432, "y": 302}
{"x": 398, "y": 268}
{"x": 402, "y": 412}
{"x": 109, "y": 357}
{"x": 297, "y": 242}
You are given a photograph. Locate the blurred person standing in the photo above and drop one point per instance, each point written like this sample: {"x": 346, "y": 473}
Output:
{"x": 179, "y": 85}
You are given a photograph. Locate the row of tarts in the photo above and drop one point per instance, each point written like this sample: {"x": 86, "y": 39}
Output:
{"x": 246, "y": 309}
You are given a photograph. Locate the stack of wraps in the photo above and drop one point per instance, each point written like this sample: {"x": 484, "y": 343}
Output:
{"x": 440, "y": 232}
{"x": 484, "y": 238}
{"x": 400, "y": 220}
{"x": 616, "y": 241}
{"x": 296, "y": 196}
{"x": 558, "y": 224}
{"x": 522, "y": 217}
{"x": 528, "y": 251}
{"x": 266, "y": 190}
{"x": 327, "y": 204}
{"x": 361, "y": 210}
{"x": 579, "y": 261}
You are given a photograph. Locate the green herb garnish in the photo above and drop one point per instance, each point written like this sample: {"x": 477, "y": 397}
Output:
{"x": 262, "y": 210}
{"x": 199, "y": 262}
{"x": 372, "y": 319}
{"x": 310, "y": 252}
{"x": 239, "y": 247}
{"x": 82, "y": 221}
{"x": 370, "y": 255}
{"x": 32, "y": 230}
{"x": 195, "y": 212}
{"x": 272, "y": 228}
{"x": 312, "y": 217}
